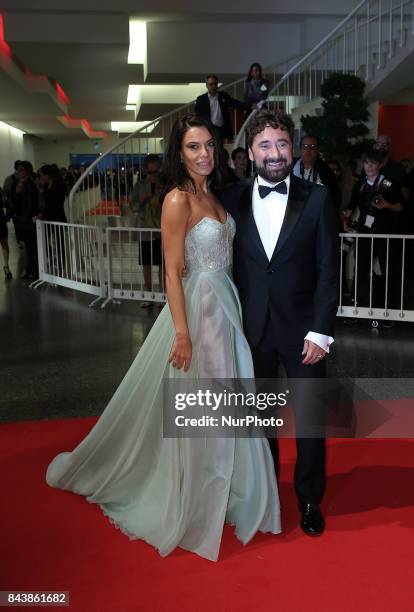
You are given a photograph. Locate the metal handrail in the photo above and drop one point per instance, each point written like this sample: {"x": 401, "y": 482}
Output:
{"x": 143, "y": 129}
{"x": 328, "y": 50}
{"x": 298, "y": 64}
{"x": 332, "y": 39}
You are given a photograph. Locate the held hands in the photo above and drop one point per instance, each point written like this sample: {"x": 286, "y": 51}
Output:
{"x": 181, "y": 352}
{"x": 313, "y": 353}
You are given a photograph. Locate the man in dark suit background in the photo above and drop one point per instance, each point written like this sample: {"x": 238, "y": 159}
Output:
{"x": 215, "y": 105}
{"x": 286, "y": 268}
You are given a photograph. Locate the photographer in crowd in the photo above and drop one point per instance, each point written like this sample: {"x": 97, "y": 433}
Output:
{"x": 379, "y": 202}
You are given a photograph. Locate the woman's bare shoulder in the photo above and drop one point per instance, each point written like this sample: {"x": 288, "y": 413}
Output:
{"x": 176, "y": 205}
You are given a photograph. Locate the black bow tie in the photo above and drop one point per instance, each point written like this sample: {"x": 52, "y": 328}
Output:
{"x": 264, "y": 190}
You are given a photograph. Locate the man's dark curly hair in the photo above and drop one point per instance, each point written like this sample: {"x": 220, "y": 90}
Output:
{"x": 264, "y": 118}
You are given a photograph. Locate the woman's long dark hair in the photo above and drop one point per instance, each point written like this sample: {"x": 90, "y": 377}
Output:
{"x": 174, "y": 172}
{"x": 254, "y": 65}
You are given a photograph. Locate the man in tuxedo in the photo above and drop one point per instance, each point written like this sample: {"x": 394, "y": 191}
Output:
{"x": 286, "y": 268}
{"x": 215, "y": 105}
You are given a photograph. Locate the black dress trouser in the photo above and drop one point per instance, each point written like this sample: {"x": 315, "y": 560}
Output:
{"x": 310, "y": 477}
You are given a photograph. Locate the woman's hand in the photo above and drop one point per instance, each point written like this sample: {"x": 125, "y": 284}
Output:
{"x": 181, "y": 352}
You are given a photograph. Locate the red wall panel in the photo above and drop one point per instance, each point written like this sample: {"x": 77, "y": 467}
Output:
{"x": 398, "y": 122}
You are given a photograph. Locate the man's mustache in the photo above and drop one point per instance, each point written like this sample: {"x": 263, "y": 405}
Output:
{"x": 274, "y": 160}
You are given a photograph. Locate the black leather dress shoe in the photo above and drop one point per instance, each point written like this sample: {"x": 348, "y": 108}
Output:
{"x": 312, "y": 522}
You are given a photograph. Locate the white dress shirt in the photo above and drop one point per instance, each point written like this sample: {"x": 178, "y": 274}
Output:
{"x": 268, "y": 214}
{"x": 216, "y": 115}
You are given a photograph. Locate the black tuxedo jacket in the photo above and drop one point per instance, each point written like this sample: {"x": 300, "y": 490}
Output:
{"x": 298, "y": 287}
{"x": 202, "y": 107}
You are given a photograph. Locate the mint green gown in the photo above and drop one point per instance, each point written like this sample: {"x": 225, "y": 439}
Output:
{"x": 179, "y": 492}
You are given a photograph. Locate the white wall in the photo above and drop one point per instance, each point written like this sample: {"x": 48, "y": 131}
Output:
{"x": 230, "y": 48}
{"x": 13, "y": 145}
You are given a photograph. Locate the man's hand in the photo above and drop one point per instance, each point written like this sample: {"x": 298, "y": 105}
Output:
{"x": 381, "y": 203}
{"x": 312, "y": 353}
{"x": 345, "y": 217}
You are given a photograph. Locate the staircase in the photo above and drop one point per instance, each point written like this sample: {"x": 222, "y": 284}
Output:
{"x": 373, "y": 42}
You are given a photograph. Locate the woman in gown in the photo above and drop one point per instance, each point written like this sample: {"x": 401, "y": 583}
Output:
{"x": 180, "y": 491}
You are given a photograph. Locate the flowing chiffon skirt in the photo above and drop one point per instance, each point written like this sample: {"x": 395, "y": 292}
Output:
{"x": 177, "y": 492}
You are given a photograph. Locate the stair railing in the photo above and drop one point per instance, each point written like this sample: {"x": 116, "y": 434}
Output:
{"x": 360, "y": 44}
{"x": 101, "y": 195}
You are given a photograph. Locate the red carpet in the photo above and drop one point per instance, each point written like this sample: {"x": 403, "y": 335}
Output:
{"x": 53, "y": 540}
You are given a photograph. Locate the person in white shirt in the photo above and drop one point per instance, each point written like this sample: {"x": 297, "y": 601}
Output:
{"x": 215, "y": 105}
{"x": 286, "y": 268}
{"x": 311, "y": 167}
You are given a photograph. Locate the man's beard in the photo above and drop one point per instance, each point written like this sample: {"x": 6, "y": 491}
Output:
{"x": 274, "y": 175}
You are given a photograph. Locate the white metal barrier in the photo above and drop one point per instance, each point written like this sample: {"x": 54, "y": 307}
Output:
{"x": 373, "y": 276}
{"x": 72, "y": 256}
{"x": 112, "y": 263}
{"x": 121, "y": 263}
{"x": 134, "y": 265}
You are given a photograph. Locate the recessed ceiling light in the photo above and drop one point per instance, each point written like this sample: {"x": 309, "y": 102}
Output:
{"x": 128, "y": 127}
{"x": 137, "y": 53}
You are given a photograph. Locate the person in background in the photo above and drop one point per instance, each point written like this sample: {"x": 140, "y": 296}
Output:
{"x": 345, "y": 179}
{"x": 73, "y": 174}
{"x": 152, "y": 220}
{"x": 391, "y": 169}
{"x": 256, "y": 88}
{"x": 4, "y": 240}
{"x": 407, "y": 164}
{"x": 408, "y": 220}
{"x": 214, "y": 105}
{"x": 85, "y": 183}
{"x": 228, "y": 174}
{"x": 8, "y": 188}
{"x": 311, "y": 167}
{"x": 67, "y": 179}
{"x": 54, "y": 194}
{"x": 380, "y": 212}
{"x": 25, "y": 210}
{"x": 240, "y": 159}
{"x": 143, "y": 193}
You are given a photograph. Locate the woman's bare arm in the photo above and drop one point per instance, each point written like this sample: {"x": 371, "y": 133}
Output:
{"x": 176, "y": 213}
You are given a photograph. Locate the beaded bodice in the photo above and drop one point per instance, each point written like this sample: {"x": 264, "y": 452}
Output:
{"x": 209, "y": 245}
